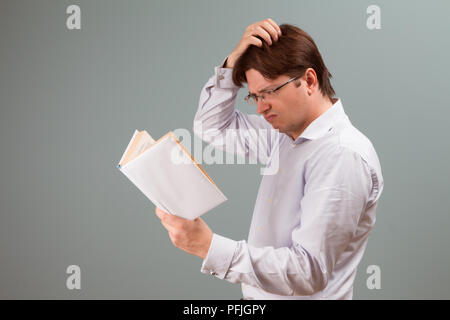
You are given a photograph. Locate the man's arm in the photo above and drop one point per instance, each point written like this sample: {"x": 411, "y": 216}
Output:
{"x": 249, "y": 135}
{"x": 336, "y": 193}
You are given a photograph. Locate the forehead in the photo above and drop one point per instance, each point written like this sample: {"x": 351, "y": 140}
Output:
{"x": 256, "y": 81}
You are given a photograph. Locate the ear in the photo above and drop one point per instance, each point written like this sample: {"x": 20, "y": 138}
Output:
{"x": 311, "y": 80}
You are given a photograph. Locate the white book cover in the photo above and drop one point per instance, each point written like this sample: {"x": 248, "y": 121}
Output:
{"x": 169, "y": 176}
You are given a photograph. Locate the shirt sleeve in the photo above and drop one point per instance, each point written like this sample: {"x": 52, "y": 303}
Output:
{"x": 337, "y": 190}
{"x": 219, "y": 123}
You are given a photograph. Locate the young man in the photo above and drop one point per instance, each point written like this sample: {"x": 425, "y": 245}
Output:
{"x": 312, "y": 217}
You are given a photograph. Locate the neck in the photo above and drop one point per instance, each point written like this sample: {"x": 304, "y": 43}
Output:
{"x": 317, "y": 109}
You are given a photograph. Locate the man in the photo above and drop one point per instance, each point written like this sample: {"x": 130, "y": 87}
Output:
{"x": 312, "y": 218}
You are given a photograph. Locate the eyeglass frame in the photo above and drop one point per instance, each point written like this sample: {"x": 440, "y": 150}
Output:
{"x": 257, "y": 96}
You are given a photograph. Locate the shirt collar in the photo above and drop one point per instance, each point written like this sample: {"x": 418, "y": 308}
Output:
{"x": 322, "y": 124}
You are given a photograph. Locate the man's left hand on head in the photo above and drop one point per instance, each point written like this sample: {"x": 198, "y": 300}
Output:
{"x": 192, "y": 236}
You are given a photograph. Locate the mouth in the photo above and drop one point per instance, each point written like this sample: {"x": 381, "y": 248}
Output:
{"x": 270, "y": 117}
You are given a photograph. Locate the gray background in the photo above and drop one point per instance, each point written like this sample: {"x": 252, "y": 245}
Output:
{"x": 70, "y": 101}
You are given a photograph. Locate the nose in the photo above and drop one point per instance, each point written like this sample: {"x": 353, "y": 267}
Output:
{"x": 261, "y": 106}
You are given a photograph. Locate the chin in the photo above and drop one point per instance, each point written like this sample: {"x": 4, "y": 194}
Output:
{"x": 277, "y": 127}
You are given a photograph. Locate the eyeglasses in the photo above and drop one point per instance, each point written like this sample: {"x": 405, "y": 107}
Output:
{"x": 252, "y": 98}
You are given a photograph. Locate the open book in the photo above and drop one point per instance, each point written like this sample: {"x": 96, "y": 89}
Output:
{"x": 169, "y": 176}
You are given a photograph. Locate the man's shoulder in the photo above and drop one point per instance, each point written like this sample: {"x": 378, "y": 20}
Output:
{"x": 345, "y": 145}
{"x": 346, "y": 138}
{"x": 350, "y": 137}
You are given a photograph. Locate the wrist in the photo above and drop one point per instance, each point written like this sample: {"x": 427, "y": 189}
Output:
{"x": 206, "y": 247}
{"x": 229, "y": 63}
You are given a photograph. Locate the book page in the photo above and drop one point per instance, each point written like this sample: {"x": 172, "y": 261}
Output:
{"x": 145, "y": 142}
{"x": 141, "y": 142}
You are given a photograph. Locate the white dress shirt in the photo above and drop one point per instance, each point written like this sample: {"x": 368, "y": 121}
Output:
{"x": 312, "y": 219}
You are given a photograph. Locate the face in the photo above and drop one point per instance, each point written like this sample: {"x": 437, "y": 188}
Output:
{"x": 289, "y": 105}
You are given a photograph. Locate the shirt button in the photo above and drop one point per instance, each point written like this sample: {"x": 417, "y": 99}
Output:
{"x": 221, "y": 77}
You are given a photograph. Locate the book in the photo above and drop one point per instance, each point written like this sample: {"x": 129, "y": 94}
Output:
{"x": 167, "y": 174}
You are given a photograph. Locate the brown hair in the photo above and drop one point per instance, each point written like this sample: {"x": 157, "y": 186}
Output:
{"x": 293, "y": 53}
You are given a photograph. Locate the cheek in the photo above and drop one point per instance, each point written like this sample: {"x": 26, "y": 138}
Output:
{"x": 291, "y": 113}
{"x": 290, "y": 107}
{"x": 297, "y": 100}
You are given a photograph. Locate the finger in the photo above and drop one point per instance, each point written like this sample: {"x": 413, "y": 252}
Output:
{"x": 167, "y": 218}
{"x": 174, "y": 239}
{"x": 167, "y": 221}
{"x": 275, "y": 25}
{"x": 255, "y": 41}
{"x": 176, "y": 222}
{"x": 263, "y": 34}
{"x": 158, "y": 213}
{"x": 269, "y": 28}
{"x": 176, "y": 219}
{"x": 170, "y": 228}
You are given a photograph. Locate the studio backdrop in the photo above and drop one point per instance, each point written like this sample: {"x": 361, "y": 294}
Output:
{"x": 78, "y": 77}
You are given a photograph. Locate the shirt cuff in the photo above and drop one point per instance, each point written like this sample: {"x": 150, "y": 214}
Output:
{"x": 219, "y": 256}
{"x": 224, "y": 77}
